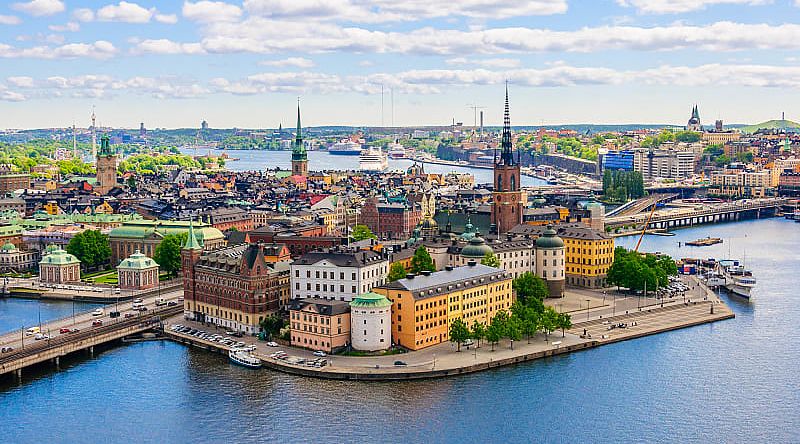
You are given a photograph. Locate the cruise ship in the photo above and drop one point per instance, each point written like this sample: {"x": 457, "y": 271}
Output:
{"x": 345, "y": 147}
{"x": 396, "y": 151}
{"x": 373, "y": 159}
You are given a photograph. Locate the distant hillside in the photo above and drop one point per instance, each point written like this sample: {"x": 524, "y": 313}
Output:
{"x": 771, "y": 124}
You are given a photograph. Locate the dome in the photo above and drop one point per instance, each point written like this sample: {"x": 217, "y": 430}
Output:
{"x": 549, "y": 239}
{"x": 429, "y": 224}
{"x": 476, "y": 248}
{"x": 137, "y": 261}
{"x": 370, "y": 300}
{"x": 51, "y": 248}
{"x": 469, "y": 231}
{"x": 8, "y": 247}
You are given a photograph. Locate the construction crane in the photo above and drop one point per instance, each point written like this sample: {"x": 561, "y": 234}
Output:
{"x": 475, "y": 109}
{"x": 646, "y": 224}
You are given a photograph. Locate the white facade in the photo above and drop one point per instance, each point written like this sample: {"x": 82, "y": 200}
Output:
{"x": 325, "y": 279}
{"x": 371, "y": 328}
{"x": 550, "y": 263}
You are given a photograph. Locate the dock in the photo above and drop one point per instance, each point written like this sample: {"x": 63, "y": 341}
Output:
{"x": 704, "y": 242}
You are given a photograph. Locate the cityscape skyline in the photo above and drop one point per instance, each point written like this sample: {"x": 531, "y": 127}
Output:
{"x": 376, "y": 63}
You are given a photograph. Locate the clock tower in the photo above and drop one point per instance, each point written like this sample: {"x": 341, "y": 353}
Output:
{"x": 507, "y": 197}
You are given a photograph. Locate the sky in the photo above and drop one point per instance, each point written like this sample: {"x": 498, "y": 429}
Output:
{"x": 244, "y": 64}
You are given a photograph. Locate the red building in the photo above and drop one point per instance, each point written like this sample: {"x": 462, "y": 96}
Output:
{"x": 390, "y": 220}
{"x": 226, "y": 218}
{"x": 507, "y": 197}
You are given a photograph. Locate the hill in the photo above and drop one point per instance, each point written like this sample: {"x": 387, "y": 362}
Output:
{"x": 771, "y": 124}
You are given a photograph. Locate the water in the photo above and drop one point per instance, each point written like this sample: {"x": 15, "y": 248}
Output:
{"x": 732, "y": 381}
{"x": 16, "y": 313}
{"x": 252, "y": 160}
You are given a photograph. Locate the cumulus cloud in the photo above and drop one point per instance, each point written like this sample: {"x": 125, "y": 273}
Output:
{"x": 125, "y": 12}
{"x": 67, "y": 27}
{"x": 20, "y": 81}
{"x": 165, "y": 46}
{"x": 39, "y": 8}
{"x": 487, "y": 63}
{"x": 169, "y": 19}
{"x": 681, "y": 6}
{"x": 83, "y": 15}
{"x": 100, "y": 49}
{"x": 9, "y": 20}
{"x": 298, "y": 62}
{"x": 211, "y": 11}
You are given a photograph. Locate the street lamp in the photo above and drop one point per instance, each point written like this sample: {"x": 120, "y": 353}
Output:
{"x": 587, "y": 309}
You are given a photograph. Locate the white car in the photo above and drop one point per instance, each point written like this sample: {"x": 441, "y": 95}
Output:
{"x": 320, "y": 353}
{"x": 98, "y": 312}
{"x": 272, "y": 344}
{"x": 40, "y": 336}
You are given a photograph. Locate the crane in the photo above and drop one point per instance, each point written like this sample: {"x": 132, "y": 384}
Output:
{"x": 644, "y": 230}
{"x": 475, "y": 109}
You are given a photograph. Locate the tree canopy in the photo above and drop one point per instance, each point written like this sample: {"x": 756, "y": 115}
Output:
{"x": 396, "y": 271}
{"x": 91, "y": 247}
{"x": 361, "y": 232}
{"x": 271, "y": 325}
{"x": 530, "y": 286}
{"x": 490, "y": 260}
{"x": 421, "y": 261}
{"x": 168, "y": 253}
{"x": 633, "y": 270}
{"x": 621, "y": 186}
{"x": 459, "y": 332}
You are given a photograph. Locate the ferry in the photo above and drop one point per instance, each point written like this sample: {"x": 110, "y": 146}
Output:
{"x": 373, "y": 159}
{"x": 738, "y": 280}
{"x": 396, "y": 151}
{"x": 345, "y": 147}
{"x": 241, "y": 356}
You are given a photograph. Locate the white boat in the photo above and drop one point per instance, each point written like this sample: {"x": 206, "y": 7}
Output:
{"x": 373, "y": 159}
{"x": 345, "y": 147}
{"x": 243, "y": 357}
{"x": 396, "y": 151}
{"x": 738, "y": 280}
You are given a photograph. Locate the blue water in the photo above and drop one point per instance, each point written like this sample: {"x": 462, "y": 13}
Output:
{"x": 320, "y": 160}
{"x": 731, "y": 381}
{"x": 16, "y": 313}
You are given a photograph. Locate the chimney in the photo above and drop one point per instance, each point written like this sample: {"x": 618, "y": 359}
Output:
{"x": 471, "y": 263}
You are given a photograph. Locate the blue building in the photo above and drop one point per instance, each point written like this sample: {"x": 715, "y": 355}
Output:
{"x": 618, "y": 160}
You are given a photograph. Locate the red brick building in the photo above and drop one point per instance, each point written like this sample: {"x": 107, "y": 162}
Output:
{"x": 14, "y": 181}
{"x": 225, "y": 218}
{"x": 390, "y": 220}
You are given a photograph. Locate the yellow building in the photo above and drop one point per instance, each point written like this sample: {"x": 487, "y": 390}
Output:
{"x": 424, "y": 306}
{"x": 588, "y": 256}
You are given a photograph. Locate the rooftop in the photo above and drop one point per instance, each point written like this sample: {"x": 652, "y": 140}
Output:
{"x": 445, "y": 281}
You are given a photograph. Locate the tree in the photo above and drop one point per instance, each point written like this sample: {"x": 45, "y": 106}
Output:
{"x": 528, "y": 286}
{"x": 361, "y": 232}
{"x": 459, "y": 332}
{"x": 491, "y": 260}
{"x": 549, "y": 321}
{"x": 91, "y": 247}
{"x": 168, "y": 253}
{"x": 564, "y": 322}
{"x": 494, "y": 333}
{"x": 421, "y": 261}
{"x": 396, "y": 271}
{"x": 271, "y": 325}
{"x": 513, "y": 329}
{"x": 478, "y": 331}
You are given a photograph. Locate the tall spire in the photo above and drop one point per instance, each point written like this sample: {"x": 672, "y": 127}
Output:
{"x": 507, "y": 155}
{"x": 299, "y": 150}
{"x": 299, "y": 137}
{"x": 191, "y": 240}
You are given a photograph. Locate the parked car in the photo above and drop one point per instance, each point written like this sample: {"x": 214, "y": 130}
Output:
{"x": 399, "y": 363}
{"x": 272, "y": 344}
{"x": 7, "y": 350}
{"x": 320, "y": 353}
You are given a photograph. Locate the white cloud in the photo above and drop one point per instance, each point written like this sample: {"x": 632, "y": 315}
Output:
{"x": 40, "y": 8}
{"x": 21, "y": 81}
{"x": 9, "y": 20}
{"x": 298, "y": 62}
{"x": 125, "y": 12}
{"x": 67, "y": 27}
{"x": 681, "y": 6}
{"x": 11, "y": 96}
{"x": 165, "y": 46}
{"x": 83, "y": 14}
{"x": 100, "y": 49}
{"x": 169, "y": 19}
{"x": 486, "y": 63}
{"x": 211, "y": 11}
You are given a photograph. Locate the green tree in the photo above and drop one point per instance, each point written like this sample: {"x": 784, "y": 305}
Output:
{"x": 422, "y": 261}
{"x": 459, "y": 332}
{"x": 491, "y": 260}
{"x": 549, "y": 321}
{"x": 530, "y": 286}
{"x": 564, "y": 322}
{"x": 271, "y": 325}
{"x": 361, "y": 232}
{"x": 494, "y": 333}
{"x": 687, "y": 136}
{"x": 514, "y": 329}
{"x": 168, "y": 253}
{"x": 91, "y": 247}
{"x": 478, "y": 331}
{"x": 396, "y": 271}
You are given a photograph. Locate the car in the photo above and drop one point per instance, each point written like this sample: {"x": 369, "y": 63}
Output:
{"x": 320, "y": 353}
{"x": 64, "y": 330}
{"x": 399, "y": 363}
{"x": 97, "y": 323}
{"x": 468, "y": 343}
{"x": 7, "y": 350}
{"x": 137, "y": 301}
{"x": 129, "y": 315}
{"x": 171, "y": 304}
{"x": 98, "y": 312}
{"x": 142, "y": 308}
{"x": 40, "y": 336}
{"x": 113, "y": 314}
{"x": 74, "y": 330}
{"x": 272, "y": 344}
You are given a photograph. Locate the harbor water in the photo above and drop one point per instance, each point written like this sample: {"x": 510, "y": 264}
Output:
{"x": 731, "y": 381}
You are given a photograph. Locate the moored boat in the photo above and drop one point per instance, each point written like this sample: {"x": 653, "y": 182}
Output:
{"x": 241, "y": 356}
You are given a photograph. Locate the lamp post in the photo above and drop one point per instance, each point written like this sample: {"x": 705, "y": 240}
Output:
{"x": 587, "y": 309}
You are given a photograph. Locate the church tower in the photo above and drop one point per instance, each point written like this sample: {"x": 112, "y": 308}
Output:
{"x": 507, "y": 197}
{"x": 299, "y": 154}
{"x": 190, "y": 255}
{"x": 106, "y": 167}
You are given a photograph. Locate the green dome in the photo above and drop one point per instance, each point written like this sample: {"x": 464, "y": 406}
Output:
{"x": 370, "y": 300}
{"x": 59, "y": 257}
{"x": 477, "y": 248}
{"x": 137, "y": 261}
{"x": 51, "y": 248}
{"x": 469, "y": 231}
{"x": 549, "y": 239}
{"x": 8, "y": 246}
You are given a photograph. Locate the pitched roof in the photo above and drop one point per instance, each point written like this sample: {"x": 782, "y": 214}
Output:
{"x": 321, "y": 306}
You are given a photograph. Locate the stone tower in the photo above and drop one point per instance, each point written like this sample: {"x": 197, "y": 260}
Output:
{"x": 299, "y": 154}
{"x": 507, "y": 197}
{"x": 106, "y": 167}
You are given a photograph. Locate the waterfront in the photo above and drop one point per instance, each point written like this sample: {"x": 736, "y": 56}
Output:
{"x": 15, "y": 313}
{"x": 724, "y": 382}
{"x": 257, "y": 160}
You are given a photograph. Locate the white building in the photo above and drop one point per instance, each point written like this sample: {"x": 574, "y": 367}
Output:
{"x": 667, "y": 164}
{"x": 370, "y": 322}
{"x": 550, "y": 261}
{"x": 337, "y": 274}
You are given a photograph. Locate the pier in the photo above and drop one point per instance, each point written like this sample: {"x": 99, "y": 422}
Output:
{"x": 701, "y": 214}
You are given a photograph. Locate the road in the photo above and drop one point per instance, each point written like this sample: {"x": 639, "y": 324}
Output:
{"x": 83, "y": 320}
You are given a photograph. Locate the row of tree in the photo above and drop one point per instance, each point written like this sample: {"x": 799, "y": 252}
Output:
{"x": 636, "y": 271}
{"x": 621, "y": 186}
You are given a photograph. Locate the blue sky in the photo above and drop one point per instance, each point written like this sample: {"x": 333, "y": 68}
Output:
{"x": 244, "y": 63}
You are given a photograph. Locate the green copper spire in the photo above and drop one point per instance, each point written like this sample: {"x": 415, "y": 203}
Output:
{"x": 105, "y": 146}
{"x": 191, "y": 240}
{"x": 299, "y": 150}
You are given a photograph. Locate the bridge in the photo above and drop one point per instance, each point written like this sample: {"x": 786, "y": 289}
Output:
{"x": 701, "y": 214}
{"x": 639, "y": 205}
{"x": 86, "y": 331}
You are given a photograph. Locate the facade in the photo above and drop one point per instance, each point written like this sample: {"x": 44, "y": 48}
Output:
{"x": 507, "y": 196}
{"x": 338, "y": 273}
{"x": 145, "y": 235}
{"x": 227, "y": 218}
{"x": 106, "y": 167}
{"x": 667, "y": 164}
{"x": 390, "y": 220}
{"x": 550, "y": 261}
{"x": 138, "y": 272}
{"x": 371, "y": 322}
{"x": 780, "y": 166}
{"x": 299, "y": 155}
{"x": 740, "y": 183}
{"x": 14, "y": 181}
{"x": 233, "y": 287}
{"x": 618, "y": 160}
{"x": 423, "y": 306}
{"x": 13, "y": 260}
{"x": 319, "y": 324}
{"x": 59, "y": 267}
{"x": 721, "y": 137}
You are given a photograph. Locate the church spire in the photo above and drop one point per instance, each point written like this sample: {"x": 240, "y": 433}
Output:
{"x": 299, "y": 150}
{"x": 191, "y": 240}
{"x": 507, "y": 156}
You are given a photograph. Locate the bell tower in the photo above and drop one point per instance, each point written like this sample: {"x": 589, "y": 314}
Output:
{"x": 507, "y": 197}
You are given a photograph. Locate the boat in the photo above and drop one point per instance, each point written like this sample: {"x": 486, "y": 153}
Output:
{"x": 243, "y": 357}
{"x": 345, "y": 147}
{"x": 704, "y": 242}
{"x": 738, "y": 280}
{"x": 373, "y": 159}
{"x": 396, "y": 151}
